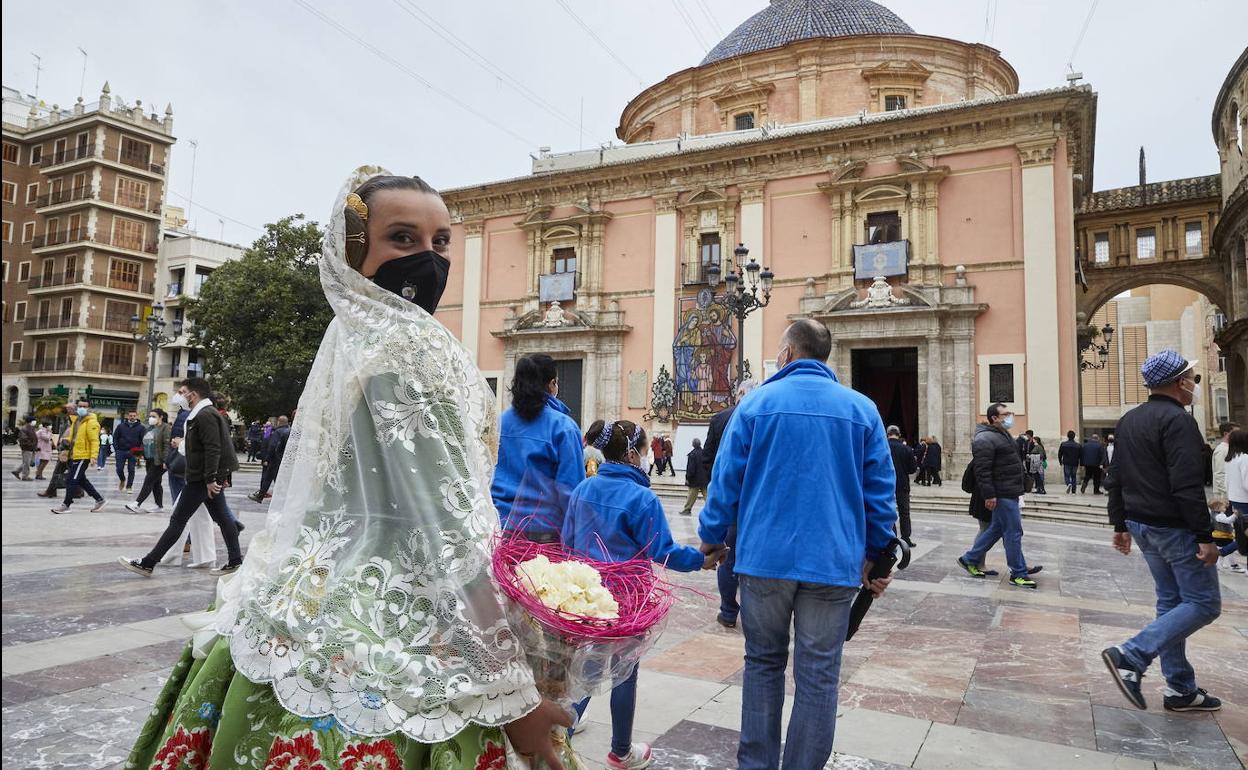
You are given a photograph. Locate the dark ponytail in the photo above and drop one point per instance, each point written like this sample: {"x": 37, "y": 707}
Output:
{"x": 528, "y": 388}
{"x": 625, "y": 435}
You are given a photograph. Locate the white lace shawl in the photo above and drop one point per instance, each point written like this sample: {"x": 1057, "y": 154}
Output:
{"x": 368, "y": 596}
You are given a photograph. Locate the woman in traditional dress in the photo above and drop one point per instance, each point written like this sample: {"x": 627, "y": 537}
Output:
{"x": 363, "y": 630}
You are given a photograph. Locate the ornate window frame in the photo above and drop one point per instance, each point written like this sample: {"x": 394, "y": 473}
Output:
{"x": 896, "y": 79}
{"x": 741, "y": 97}
{"x": 710, "y": 210}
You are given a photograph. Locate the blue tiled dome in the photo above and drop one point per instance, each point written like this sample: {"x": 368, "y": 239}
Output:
{"x": 787, "y": 21}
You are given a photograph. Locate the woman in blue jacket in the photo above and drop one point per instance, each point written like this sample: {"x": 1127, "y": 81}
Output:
{"x": 539, "y": 453}
{"x": 614, "y": 516}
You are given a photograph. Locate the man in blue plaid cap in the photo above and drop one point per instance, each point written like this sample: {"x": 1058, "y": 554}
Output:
{"x": 1157, "y": 497}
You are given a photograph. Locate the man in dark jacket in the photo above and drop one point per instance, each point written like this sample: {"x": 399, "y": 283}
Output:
{"x": 1068, "y": 455}
{"x": 127, "y": 437}
{"x": 255, "y": 440}
{"x": 210, "y": 461}
{"x": 725, "y": 574}
{"x": 903, "y": 466}
{"x": 697, "y": 477}
{"x": 1093, "y": 458}
{"x": 1157, "y": 497}
{"x": 999, "y": 479}
{"x": 274, "y": 451}
{"x": 28, "y": 442}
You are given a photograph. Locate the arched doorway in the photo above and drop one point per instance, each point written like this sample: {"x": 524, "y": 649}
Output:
{"x": 1144, "y": 319}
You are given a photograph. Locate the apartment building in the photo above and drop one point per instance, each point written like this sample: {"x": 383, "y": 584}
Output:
{"x": 83, "y": 191}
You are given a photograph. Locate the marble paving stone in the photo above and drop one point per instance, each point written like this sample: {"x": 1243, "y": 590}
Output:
{"x": 1038, "y": 621}
{"x": 1031, "y": 664}
{"x": 696, "y": 746}
{"x": 1133, "y": 622}
{"x": 967, "y": 614}
{"x": 1233, "y": 719}
{"x": 920, "y": 660}
{"x": 1053, "y": 720}
{"x": 64, "y": 751}
{"x": 714, "y": 656}
{"x": 909, "y": 704}
{"x": 881, "y": 736}
{"x": 1195, "y": 741}
{"x": 957, "y": 748}
{"x": 662, "y": 701}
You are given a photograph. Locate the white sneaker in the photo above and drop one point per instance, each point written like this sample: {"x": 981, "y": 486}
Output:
{"x": 1238, "y": 568}
{"x": 638, "y": 757}
{"x": 159, "y": 509}
{"x": 135, "y": 508}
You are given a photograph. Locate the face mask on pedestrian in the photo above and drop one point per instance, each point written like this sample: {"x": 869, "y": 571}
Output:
{"x": 179, "y": 401}
{"x": 1194, "y": 392}
{"x": 153, "y": 420}
{"x": 419, "y": 278}
{"x": 82, "y": 411}
{"x": 1007, "y": 422}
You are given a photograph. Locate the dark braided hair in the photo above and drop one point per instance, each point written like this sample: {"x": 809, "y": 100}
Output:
{"x": 528, "y": 388}
{"x": 621, "y": 439}
{"x": 357, "y": 247}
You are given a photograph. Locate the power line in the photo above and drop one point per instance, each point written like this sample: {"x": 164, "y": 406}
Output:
{"x": 1082, "y": 32}
{"x": 217, "y": 213}
{"x": 706, "y": 11}
{"x": 380, "y": 54}
{"x": 688, "y": 20}
{"x": 600, "y": 41}
{"x": 423, "y": 17}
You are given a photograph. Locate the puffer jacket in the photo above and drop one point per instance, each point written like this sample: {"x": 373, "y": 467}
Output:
{"x": 86, "y": 440}
{"x": 998, "y": 468}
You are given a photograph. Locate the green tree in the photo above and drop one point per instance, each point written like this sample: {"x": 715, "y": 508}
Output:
{"x": 259, "y": 320}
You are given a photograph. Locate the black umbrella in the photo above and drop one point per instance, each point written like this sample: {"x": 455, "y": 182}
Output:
{"x": 882, "y": 568}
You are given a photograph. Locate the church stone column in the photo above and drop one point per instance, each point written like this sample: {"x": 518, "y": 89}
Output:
{"x": 1043, "y": 367}
{"x": 665, "y": 267}
{"x": 935, "y": 388}
{"x": 473, "y": 260}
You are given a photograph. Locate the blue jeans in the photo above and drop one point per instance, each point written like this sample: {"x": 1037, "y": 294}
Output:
{"x": 820, "y": 617}
{"x": 1070, "y": 473}
{"x": 623, "y": 708}
{"x": 1007, "y": 526}
{"x": 125, "y": 465}
{"x": 176, "y": 485}
{"x": 726, "y": 576}
{"x": 1188, "y": 599}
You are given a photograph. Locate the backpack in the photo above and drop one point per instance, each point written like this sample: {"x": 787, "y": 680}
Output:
{"x": 968, "y": 477}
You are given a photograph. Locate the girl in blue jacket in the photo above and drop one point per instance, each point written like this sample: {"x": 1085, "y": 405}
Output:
{"x": 539, "y": 453}
{"x": 614, "y": 516}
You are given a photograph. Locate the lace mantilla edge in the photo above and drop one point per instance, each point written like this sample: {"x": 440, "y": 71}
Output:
{"x": 489, "y": 710}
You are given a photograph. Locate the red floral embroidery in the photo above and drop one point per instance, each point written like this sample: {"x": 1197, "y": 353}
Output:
{"x": 493, "y": 758}
{"x": 377, "y": 755}
{"x": 298, "y": 753}
{"x": 185, "y": 750}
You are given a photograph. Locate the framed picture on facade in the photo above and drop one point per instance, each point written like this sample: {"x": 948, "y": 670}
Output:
{"x": 881, "y": 259}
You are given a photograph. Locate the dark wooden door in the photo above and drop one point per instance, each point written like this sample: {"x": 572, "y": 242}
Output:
{"x": 571, "y": 386}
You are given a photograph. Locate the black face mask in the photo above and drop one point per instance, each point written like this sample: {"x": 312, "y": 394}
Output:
{"x": 419, "y": 278}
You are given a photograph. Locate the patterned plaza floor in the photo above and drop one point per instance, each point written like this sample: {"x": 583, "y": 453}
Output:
{"x": 947, "y": 671}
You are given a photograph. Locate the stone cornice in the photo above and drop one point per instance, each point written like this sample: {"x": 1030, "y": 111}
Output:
{"x": 1041, "y": 152}
{"x": 954, "y": 128}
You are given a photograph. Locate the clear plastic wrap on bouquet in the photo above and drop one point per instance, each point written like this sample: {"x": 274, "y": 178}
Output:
{"x": 574, "y": 657}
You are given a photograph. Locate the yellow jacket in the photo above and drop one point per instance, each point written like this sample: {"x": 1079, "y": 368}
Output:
{"x": 87, "y": 441}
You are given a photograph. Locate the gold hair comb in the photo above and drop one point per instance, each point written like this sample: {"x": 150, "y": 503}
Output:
{"x": 357, "y": 204}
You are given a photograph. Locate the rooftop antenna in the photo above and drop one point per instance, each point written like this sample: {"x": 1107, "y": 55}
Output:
{"x": 190, "y": 199}
{"x": 83, "y": 81}
{"x": 38, "y": 69}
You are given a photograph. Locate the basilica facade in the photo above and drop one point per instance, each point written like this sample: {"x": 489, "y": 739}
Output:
{"x": 897, "y": 186}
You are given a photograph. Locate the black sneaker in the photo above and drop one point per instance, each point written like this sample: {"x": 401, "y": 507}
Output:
{"x": 240, "y": 526}
{"x": 1125, "y": 676}
{"x": 725, "y": 623}
{"x": 255, "y": 497}
{"x": 1197, "y": 701}
{"x": 1022, "y": 581}
{"x": 971, "y": 569}
{"x": 228, "y": 569}
{"x": 1035, "y": 569}
{"x": 991, "y": 573}
{"x": 134, "y": 566}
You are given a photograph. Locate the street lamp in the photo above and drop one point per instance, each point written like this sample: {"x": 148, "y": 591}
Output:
{"x": 152, "y": 334}
{"x": 741, "y": 296}
{"x": 1101, "y": 351}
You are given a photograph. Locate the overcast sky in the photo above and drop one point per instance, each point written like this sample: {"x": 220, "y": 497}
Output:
{"x": 283, "y": 105}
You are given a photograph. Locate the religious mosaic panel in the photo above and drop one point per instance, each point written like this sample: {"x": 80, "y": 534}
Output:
{"x": 704, "y": 350}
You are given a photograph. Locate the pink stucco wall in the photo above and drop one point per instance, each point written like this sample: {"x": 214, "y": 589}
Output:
{"x": 504, "y": 264}
{"x": 638, "y": 345}
{"x": 797, "y": 226}
{"x": 628, "y": 248}
{"x": 490, "y": 348}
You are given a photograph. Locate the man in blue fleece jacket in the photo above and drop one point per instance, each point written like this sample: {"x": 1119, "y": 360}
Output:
{"x": 805, "y": 473}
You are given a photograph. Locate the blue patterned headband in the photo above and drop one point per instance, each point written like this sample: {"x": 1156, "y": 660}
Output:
{"x": 632, "y": 442}
{"x": 604, "y": 438}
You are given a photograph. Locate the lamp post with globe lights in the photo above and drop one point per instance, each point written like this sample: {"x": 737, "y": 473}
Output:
{"x": 151, "y": 332}
{"x": 747, "y": 288}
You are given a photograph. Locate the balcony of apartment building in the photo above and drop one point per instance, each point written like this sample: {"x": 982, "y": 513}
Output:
{"x": 67, "y": 365}
{"x": 108, "y": 324}
{"x": 122, "y": 282}
{"x": 62, "y": 157}
{"x": 128, "y": 154}
{"x": 143, "y": 244}
{"x": 58, "y": 239}
{"x": 75, "y": 197}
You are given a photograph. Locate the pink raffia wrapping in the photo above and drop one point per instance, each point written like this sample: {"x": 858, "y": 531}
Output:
{"x": 573, "y": 656}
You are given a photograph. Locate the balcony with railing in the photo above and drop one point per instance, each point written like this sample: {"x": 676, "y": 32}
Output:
{"x": 59, "y": 238}
{"x": 60, "y": 158}
{"x": 79, "y": 193}
{"x": 146, "y": 205}
{"x": 67, "y": 278}
{"x": 139, "y": 160}
{"x": 49, "y": 364}
{"x": 47, "y": 322}
{"x": 117, "y": 241}
{"x": 126, "y": 368}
